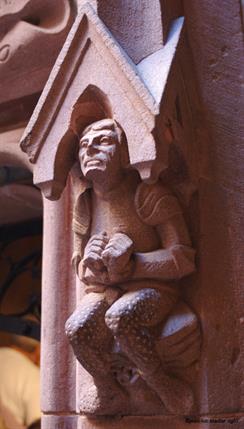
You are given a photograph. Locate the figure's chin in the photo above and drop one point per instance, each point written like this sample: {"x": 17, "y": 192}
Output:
{"x": 94, "y": 172}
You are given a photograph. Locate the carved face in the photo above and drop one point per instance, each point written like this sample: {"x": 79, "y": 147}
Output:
{"x": 99, "y": 152}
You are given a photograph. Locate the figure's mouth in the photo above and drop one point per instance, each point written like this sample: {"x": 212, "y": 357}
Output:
{"x": 92, "y": 162}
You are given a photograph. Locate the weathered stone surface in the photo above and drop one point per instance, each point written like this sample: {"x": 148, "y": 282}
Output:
{"x": 58, "y": 295}
{"x": 139, "y": 18}
{"x": 53, "y": 149}
{"x": 216, "y": 40}
{"x": 16, "y": 113}
{"x": 59, "y": 422}
{"x": 198, "y": 146}
{"x": 130, "y": 21}
{"x": 31, "y": 35}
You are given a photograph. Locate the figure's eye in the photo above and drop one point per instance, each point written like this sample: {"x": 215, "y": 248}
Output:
{"x": 83, "y": 144}
{"x": 105, "y": 141}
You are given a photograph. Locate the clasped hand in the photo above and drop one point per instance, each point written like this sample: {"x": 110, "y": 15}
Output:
{"x": 107, "y": 261}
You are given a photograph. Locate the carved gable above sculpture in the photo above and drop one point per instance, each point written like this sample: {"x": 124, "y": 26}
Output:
{"x": 93, "y": 70}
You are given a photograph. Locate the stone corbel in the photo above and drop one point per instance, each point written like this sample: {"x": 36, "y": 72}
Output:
{"x": 146, "y": 99}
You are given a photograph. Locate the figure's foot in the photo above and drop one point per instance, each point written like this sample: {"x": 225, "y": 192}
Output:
{"x": 103, "y": 401}
{"x": 175, "y": 394}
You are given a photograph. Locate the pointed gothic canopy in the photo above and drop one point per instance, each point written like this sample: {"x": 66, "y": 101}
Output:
{"x": 94, "y": 78}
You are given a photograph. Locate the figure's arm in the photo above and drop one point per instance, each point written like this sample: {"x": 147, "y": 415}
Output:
{"x": 80, "y": 227}
{"x": 77, "y": 251}
{"x": 176, "y": 257}
{"x": 158, "y": 207}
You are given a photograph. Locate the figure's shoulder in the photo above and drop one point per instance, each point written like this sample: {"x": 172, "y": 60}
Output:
{"x": 155, "y": 203}
{"x": 82, "y": 213}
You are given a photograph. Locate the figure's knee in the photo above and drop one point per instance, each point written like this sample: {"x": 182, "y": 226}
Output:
{"x": 120, "y": 323}
{"x": 77, "y": 327}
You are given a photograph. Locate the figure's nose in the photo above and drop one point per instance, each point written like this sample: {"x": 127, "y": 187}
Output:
{"x": 90, "y": 146}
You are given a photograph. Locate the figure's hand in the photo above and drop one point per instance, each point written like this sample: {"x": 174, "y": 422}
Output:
{"x": 93, "y": 252}
{"x": 92, "y": 278}
{"x": 117, "y": 257}
{"x": 76, "y": 258}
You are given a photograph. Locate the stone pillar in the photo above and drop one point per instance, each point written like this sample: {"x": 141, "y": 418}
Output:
{"x": 215, "y": 34}
{"x": 58, "y": 301}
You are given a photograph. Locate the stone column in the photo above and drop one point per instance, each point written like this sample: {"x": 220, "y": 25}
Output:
{"x": 58, "y": 390}
{"x": 215, "y": 34}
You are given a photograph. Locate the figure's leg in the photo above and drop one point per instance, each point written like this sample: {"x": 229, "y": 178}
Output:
{"x": 89, "y": 335}
{"x": 128, "y": 319}
{"x": 91, "y": 340}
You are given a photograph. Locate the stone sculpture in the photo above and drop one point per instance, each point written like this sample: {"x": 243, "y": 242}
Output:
{"x": 131, "y": 248}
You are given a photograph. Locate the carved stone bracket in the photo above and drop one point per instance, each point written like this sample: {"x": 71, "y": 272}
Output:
{"x": 132, "y": 66}
{"x": 114, "y": 114}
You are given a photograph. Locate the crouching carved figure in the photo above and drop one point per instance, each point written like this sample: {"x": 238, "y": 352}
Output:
{"x": 131, "y": 248}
